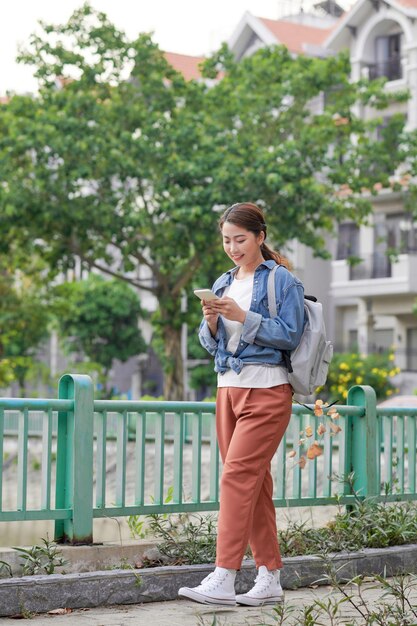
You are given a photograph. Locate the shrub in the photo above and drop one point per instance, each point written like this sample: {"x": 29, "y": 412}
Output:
{"x": 351, "y": 368}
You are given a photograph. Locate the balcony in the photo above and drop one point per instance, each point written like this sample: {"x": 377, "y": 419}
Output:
{"x": 373, "y": 266}
{"x": 376, "y": 275}
{"x": 390, "y": 68}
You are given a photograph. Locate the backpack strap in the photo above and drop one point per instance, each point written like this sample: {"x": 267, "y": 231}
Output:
{"x": 272, "y": 300}
{"x": 272, "y": 306}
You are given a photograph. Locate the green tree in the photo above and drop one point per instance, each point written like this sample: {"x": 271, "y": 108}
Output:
{"x": 99, "y": 318}
{"x": 125, "y": 165}
{"x": 24, "y": 319}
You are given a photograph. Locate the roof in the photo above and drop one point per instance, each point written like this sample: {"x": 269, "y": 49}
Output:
{"x": 295, "y": 36}
{"x": 185, "y": 64}
{"x": 411, "y": 4}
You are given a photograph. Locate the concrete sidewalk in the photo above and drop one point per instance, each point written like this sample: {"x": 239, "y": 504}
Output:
{"x": 187, "y": 613}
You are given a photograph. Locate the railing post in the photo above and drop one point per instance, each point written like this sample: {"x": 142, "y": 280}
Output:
{"x": 364, "y": 445}
{"x": 74, "y": 469}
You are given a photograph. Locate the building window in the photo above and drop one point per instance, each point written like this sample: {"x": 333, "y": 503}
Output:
{"x": 348, "y": 241}
{"x": 412, "y": 349}
{"x": 387, "y": 57}
{"x": 383, "y": 339}
{"x": 353, "y": 340}
{"x": 401, "y": 233}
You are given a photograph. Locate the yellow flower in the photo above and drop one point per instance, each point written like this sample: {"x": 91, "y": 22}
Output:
{"x": 344, "y": 366}
{"x": 359, "y": 380}
{"x": 391, "y": 357}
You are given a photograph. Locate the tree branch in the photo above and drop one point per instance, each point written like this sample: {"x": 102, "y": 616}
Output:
{"x": 186, "y": 274}
{"x": 107, "y": 270}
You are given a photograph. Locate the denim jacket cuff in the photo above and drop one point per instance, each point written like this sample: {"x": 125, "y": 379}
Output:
{"x": 250, "y": 326}
{"x": 207, "y": 339}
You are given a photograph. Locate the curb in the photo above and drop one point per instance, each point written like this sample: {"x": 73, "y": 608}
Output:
{"x": 40, "y": 594}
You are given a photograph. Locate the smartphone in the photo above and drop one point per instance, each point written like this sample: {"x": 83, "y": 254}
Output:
{"x": 205, "y": 294}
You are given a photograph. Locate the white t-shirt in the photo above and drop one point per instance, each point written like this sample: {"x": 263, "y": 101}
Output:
{"x": 256, "y": 376}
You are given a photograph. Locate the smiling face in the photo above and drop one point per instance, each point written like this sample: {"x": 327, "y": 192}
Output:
{"x": 242, "y": 246}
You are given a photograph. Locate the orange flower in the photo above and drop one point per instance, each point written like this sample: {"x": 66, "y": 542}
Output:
{"x": 314, "y": 451}
{"x": 302, "y": 462}
{"x": 308, "y": 431}
{"x": 292, "y": 453}
{"x": 321, "y": 429}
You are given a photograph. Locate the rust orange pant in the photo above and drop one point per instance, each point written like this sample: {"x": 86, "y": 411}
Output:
{"x": 250, "y": 424}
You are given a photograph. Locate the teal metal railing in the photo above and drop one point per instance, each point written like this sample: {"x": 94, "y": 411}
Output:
{"x": 85, "y": 475}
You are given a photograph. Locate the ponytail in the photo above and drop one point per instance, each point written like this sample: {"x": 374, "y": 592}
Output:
{"x": 272, "y": 255}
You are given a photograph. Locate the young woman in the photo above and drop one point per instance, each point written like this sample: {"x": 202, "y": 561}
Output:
{"x": 253, "y": 405}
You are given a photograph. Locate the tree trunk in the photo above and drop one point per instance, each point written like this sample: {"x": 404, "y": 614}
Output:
{"x": 173, "y": 367}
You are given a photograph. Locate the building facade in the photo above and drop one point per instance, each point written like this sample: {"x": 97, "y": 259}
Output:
{"x": 369, "y": 304}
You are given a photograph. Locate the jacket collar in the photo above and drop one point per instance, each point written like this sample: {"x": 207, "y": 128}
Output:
{"x": 269, "y": 264}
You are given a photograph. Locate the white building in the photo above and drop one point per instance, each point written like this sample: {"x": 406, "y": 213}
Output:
{"x": 369, "y": 305}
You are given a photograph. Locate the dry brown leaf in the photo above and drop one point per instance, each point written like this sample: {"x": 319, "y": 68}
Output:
{"x": 302, "y": 462}
{"x": 314, "y": 451}
{"x": 292, "y": 453}
{"x": 335, "y": 427}
{"x": 321, "y": 429}
{"x": 308, "y": 431}
{"x": 60, "y": 611}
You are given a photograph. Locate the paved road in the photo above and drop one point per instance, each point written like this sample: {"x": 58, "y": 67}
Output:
{"x": 187, "y": 613}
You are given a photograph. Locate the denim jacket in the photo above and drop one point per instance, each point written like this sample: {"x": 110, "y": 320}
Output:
{"x": 262, "y": 337}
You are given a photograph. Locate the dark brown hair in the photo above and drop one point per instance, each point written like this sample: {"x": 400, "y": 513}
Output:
{"x": 250, "y": 216}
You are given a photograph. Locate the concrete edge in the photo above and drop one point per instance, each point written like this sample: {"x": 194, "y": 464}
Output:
{"x": 88, "y": 558}
{"x": 39, "y": 594}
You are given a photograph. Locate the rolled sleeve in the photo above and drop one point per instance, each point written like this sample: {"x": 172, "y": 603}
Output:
{"x": 206, "y": 338}
{"x": 250, "y": 326}
{"x": 282, "y": 332}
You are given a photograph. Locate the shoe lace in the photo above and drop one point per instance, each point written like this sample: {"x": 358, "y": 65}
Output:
{"x": 262, "y": 583}
{"x": 212, "y": 581}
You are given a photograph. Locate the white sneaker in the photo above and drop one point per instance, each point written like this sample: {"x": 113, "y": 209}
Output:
{"x": 217, "y": 588}
{"x": 267, "y": 589}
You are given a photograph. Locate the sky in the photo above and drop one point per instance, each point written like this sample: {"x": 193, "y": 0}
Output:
{"x": 185, "y": 26}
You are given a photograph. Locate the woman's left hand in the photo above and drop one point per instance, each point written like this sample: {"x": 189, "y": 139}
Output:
{"x": 229, "y": 309}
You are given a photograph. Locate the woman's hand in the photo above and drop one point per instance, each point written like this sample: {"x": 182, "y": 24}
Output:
{"x": 210, "y": 316}
{"x": 229, "y": 309}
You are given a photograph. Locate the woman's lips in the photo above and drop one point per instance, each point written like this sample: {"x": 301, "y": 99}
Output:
{"x": 235, "y": 258}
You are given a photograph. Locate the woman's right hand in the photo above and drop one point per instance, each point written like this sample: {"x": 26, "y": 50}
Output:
{"x": 210, "y": 316}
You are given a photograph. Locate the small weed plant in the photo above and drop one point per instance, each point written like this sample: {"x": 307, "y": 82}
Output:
{"x": 191, "y": 538}
{"x": 41, "y": 559}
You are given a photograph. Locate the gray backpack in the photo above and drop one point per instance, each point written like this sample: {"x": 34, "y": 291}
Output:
{"x": 309, "y": 363}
